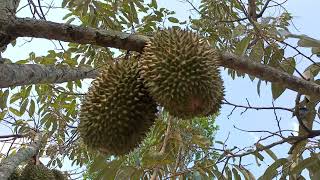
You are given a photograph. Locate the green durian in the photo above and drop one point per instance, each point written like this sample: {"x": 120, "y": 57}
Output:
{"x": 117, "y": 111}
{"x": 36, "y": 172}
{"x": 181, "y": 72}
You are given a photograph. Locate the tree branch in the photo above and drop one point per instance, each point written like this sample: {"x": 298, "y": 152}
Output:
{"x": 7, "y": 9}
{"x": 8, "y": 165}
{"x": 18, "y": 74}
{"x": 264, "y": 72}
{"x": 23, "y": 27}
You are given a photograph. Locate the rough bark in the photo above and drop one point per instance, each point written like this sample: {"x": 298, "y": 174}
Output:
{"x": 8, "y": 165}
{"x": 18, "y": 74}
{"x": 7, "y": 10}
{"x": 82, "y": 35}
{"x": 25, "y": 27}
{"x": 245, "y": 65}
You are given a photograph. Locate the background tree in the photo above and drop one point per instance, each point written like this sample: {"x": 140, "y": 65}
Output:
{"x": 43, "y": 93}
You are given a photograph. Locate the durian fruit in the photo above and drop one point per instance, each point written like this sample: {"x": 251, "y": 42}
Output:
{"x": 58, "y": 175}
{"x": 117, "y": 111}
{"x": 181, "y": 72}
{"x": 36, "y": 172}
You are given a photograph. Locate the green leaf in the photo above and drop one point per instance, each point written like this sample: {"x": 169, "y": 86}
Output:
{"x": 288, "y": 65}
{"x": 315, "y": 50}
{"x": 22, "y": 61}
{"x": 242, "y": 46}
{"x": 271, "y": 171}
{"x": 3, "y": 114}
{"x": 258, "y": 87}
{"x": 15, "y": 111}
{"x": 244, "y": 172}
{"x": 268, "y": 151}
{"x": 257, "y": 52}
{"x": 173, "y": 20}
{"x": 24, "y": 106}
{"x": 154, "y": 4}
{"x": 314, "y": 69}
{"x": 277, "y": 89}
{"x": 306, "y": 41}
{"x": 218, "y": 174}
{"x": 31, "y": 108}
{"x": 276, "y": 58}
{"x": 236, "y": 175}
{"x": 228, "y": 173}
{"x": 3, "y": 99}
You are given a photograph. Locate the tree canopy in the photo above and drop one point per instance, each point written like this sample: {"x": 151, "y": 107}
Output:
{"x": 41, "y": 95}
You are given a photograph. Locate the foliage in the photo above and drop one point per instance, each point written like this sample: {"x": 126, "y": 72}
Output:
{"x": 191, "y": 150}
{"x": 189, "y": 142}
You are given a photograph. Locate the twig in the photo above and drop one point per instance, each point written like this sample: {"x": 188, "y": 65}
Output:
{"x": 226, "y": 102}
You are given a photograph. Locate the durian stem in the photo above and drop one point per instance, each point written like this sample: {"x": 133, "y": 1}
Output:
{"x": 8, "y": 165}
{"x": 164, "y": 145}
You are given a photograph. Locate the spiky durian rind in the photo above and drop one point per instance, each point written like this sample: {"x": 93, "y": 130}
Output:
{"x": 36, "y": 172}
{"x": 181, "y": 72}
{"x": 117, "y": 111}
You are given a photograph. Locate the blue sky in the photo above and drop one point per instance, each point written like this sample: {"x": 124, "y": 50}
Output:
{"x": 305, "y": 12}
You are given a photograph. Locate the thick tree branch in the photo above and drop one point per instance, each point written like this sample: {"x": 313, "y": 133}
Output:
{"x": 264, "y": 72}
{"x": 8, "y": 165}
{"x": 7, "y": 10}
{"x": 25, "y": 27}
{"x": 18, "y": 74}
{"x": 82, "y": 35}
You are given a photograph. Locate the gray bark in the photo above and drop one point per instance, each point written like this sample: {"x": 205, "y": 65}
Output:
{"x": 264, "y": 72}
{"x": 18, "y": 74}
{"x": 50, "y": 30}
{"x": 7, "y": 10}
{"x": 9, "y": 164}
{"x": 25, "y": 27}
